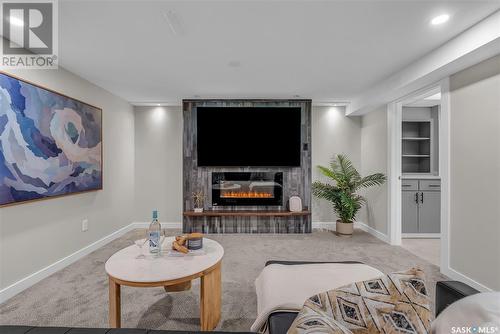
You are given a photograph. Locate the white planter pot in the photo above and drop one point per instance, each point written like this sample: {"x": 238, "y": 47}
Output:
{"x": 198, "y": 210}
{"x": 344, "y": 228}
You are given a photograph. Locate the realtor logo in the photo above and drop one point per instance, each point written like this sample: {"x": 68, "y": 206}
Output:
{"x": 29, "y": 34}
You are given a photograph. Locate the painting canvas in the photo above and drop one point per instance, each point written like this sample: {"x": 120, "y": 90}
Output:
{"x": 51, "y": 144}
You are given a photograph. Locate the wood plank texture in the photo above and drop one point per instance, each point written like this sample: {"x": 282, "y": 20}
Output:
{"x": 178, "y": 287}
{"x": 210, "y": 299}
{"x": 247, "y": 213}
{"x": 114, "y": 304}
{"x": 296, "y": 180}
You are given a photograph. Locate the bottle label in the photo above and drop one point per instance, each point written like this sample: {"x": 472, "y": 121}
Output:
{"x": 154, "y": 240}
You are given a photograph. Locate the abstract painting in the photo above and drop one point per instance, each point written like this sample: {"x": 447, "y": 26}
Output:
{"x": 50, "y": 144}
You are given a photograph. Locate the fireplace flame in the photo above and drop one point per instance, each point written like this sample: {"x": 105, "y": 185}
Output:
{"x": 244, "y": 194}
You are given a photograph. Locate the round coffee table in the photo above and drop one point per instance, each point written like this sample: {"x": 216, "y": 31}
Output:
{"x": 175, "y": 273}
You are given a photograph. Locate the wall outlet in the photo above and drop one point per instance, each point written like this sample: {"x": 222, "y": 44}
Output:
{"x": 85, "y": 225}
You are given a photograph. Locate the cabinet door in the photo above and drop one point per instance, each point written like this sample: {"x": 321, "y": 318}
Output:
{"x": 409, "y": 212}
{"x": 430, "y": 212}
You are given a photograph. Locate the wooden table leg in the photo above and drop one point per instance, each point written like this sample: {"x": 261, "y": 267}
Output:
{"x": 114, "y": 304}
{"x": 210, "y": 299}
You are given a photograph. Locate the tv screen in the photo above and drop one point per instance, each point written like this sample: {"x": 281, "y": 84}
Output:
{"x": 258, "y": 136}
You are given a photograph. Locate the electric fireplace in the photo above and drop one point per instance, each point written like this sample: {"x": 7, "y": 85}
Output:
{"x": 247, "y": 188}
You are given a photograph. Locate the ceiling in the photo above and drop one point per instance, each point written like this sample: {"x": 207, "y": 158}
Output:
{"x": 163, "y": 51}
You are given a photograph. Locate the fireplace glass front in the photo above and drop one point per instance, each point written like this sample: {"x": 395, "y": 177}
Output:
{"x": 247, "y": 188}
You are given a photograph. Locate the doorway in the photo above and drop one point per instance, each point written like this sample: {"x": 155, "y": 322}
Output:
{"x": 418, "y": 173}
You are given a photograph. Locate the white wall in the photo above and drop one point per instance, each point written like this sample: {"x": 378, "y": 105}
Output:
{"x": 332, "y": 133}
{"x": 158, "y": 163}
{"x": 374, "y": 160}
{"x": 158, "y": 145}
{"x": 475, "y": 172}
{"x": 35, "y": 235}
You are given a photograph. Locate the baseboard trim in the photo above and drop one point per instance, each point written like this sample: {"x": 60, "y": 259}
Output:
{"x": 421, "y": 235}
{"x": 176, "y": 225}
{"x": 377, "y": 234}
{"x": 362, "y": 226}
{"x": 455, "y": 275}
{"x": 26, "y": 282}
{"x": 324, "y": 225}
{"x": 451, "y": 273}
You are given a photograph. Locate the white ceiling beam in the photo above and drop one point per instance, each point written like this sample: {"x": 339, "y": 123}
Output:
{"x": 474, "y": 45}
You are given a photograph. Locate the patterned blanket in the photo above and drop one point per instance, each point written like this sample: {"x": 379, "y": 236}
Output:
{"x": 394, "y": 303}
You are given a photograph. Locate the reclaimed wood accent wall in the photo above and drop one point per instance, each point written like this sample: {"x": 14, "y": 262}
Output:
{"x": 297, "y": 180}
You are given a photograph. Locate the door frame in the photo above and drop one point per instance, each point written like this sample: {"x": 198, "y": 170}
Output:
{"x": 394, "y": 119}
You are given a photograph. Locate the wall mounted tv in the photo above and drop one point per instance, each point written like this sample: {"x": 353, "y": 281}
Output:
{"x": 254, "y": 136}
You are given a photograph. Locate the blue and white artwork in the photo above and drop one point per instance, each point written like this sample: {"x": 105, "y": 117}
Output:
{"x": 50, "y": 144}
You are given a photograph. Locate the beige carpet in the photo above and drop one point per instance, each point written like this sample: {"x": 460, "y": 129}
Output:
{"x": 78, "y": 294}
{"x": 427, "y": 249}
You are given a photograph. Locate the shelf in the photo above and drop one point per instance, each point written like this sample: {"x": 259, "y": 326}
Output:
{"x": 417, "y": 145}
{"x": 416, "y": 138}
{"x": 419, "y": 176}
{"x": 416, "y": 155}
{"x": 245, "y": 213}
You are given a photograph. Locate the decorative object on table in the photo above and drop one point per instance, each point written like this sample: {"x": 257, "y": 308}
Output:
{"x": 342, "y": 194}
{"x": 154, "y": 234}
{"x": 394, "y": 303}
{"x": 179, "y": 244}
{"x": 188, "y": 242}
{"x": 295, "y": 204}
{"x": 199, "y": 200}
{"x": 50, "y": 144}
{"x": 140, "y": 243}
{"x": 195, "y": 241}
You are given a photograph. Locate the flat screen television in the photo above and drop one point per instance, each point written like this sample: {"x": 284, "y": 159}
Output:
{"x": 255, "y": 136}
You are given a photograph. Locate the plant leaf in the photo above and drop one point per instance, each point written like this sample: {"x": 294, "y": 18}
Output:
{"x": 346, "y": 203}
{"x": 376, "y": 179}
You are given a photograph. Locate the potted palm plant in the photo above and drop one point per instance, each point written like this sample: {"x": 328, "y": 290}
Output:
{"x": 342, "y": 194}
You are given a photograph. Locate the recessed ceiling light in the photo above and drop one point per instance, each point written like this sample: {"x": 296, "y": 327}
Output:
{"x": 440, "y": 19}
{"x": 158, "y": 104}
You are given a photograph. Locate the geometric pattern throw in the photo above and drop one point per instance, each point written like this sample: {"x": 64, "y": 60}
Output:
{"x": 394, "y": 303}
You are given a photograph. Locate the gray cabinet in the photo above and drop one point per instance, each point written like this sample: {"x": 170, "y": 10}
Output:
{"x": 429, "y": 212}
{"x": 410, "y": 211}
{"x": 421, "y": 206}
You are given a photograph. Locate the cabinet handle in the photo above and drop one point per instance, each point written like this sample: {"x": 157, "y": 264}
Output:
{"x": 434, "y": 185}
{"x": 421, "y": 197}
{"x": 416, "y": 198}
